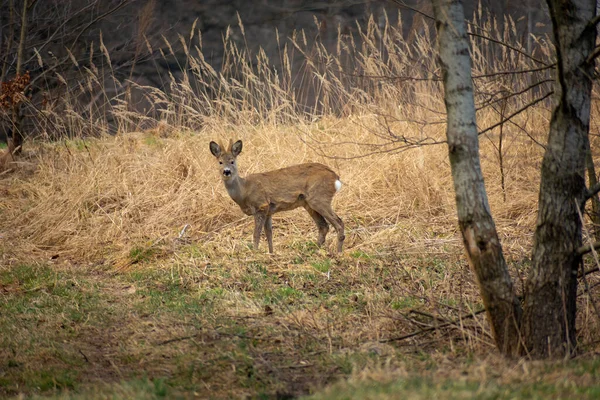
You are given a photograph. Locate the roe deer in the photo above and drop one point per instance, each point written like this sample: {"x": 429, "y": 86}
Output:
{"x": 310, "y": 185}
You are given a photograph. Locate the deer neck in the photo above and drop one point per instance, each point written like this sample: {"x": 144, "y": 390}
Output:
{"x": 235, "y": 188}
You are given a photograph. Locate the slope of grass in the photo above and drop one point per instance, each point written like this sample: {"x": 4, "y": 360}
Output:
{"x": 262, "y": 327}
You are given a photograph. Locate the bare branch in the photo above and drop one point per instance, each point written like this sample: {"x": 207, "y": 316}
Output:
{"x": 513, "y": 48}
{"x": 592, "y": 191}
{"x": 523, "y": 71}
{"x": 594, "y": 55}
{"x": 594, "y": 21}
{"x": 513, "y": 94}
{"x": 501, "y": 43}
{"x": 587, "y": 272}
{"x": 519, "y": 111}
{"x": 415, "y": 10}
{"x": 585, "y": 282}
{"x": 439, "y": 79}
{"x": 81, "y": 32}
{"x": 11, "y": 20}
{"x": 66, "y": 21}
{"x": 99, "y": 18}
{"x": 588, "y": 248}
{"x": 455, "y": 322}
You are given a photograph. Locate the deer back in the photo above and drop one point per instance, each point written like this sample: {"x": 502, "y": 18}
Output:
{"x": 291, "y": 187}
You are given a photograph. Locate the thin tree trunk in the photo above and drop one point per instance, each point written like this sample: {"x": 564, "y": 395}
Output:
{"x": 17, "y": 134}
{"x": 9, "y": 41}
{"x": 592, "y": 181}
{"x": 551, "y": 289}
{"x": 476, "y": 224}
{"x": 21, "y": 51}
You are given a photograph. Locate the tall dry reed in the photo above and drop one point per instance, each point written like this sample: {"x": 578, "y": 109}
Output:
{"x": 371, "y": 107}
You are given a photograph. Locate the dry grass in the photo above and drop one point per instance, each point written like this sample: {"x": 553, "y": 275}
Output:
{"x": 89, "y": 200}
{"x": 142, "y": 217}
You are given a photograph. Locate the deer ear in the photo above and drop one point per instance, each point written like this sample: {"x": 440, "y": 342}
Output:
{"x": 236, "y": 148}
{"x": 215, "y": 149}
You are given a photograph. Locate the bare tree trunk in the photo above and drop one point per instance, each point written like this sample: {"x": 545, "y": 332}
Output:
{"x": 22, "y": 37}
{"x": 476, "y": 224}
{"x": 9, "y": 40}
{"x": 551, "y": 289}
{"x": 17, "y": 134}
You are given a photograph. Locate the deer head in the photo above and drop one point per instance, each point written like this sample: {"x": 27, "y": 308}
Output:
{"x": 227, "y": 158}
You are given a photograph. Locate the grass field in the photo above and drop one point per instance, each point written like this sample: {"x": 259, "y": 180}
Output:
{"x": 104, "y": 293}
{"x": 126, "y": 271}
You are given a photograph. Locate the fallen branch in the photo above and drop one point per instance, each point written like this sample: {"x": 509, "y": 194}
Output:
{"x": 433, "y": 328}
{"x": 182, "y": 338}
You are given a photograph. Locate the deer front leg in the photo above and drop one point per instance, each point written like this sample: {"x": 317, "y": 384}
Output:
{"x": 269, "y": 232}
{"x": 259, "y": 220}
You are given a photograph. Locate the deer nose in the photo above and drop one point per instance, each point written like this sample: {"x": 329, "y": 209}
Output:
{"x": 227, "y": 172}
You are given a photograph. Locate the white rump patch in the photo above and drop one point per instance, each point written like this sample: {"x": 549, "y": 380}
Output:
{"x": 338, "y": 185}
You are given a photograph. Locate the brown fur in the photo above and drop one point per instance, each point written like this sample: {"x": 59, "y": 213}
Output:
{"x": 309, "y": 185}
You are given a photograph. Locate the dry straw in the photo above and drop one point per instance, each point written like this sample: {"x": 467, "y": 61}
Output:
{"x": 376, "y": 94}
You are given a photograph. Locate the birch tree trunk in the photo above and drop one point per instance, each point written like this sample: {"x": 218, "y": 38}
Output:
{"x": 549, "y": 310}
{"x": 476, "y": 224}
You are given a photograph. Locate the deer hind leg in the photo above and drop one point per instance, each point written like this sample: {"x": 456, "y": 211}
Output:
{"x": 327, "y": 212}
{"x": 269, "y": 232}
{"x": 322, "y": 225}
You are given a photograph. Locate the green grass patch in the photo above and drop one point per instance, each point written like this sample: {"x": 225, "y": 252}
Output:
{"x": 426, "y": 388}
{"x": 361, "y": 255}
{"x": 139, "y": 389}
{"x": 253, "y": 328}
{"x": 152, "y": 141}
{"x": 406, "y": 302}
{"x": 42, "y": 311}
{"x": 141, "y": 253}
{"x": 323, "y": 266}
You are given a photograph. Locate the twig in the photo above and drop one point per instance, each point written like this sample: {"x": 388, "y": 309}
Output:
{"x": 585, "y": 282}
{"x": 84, "y": 356}
{"x": 512, "y": 94}
{"x": 59, "y": 28}
{"x": 182, "y": 232}
{"x": 519, "y": 111}
{"x": 433, "y": 328}
{"x": 413, "y": 9}
{"x": 591, "y": 247}
{"x": 513, "y": 48}
{"x": 402, "y": 4}
{"x": 592, "y": 191}
{"x": 594, "y": 21}
{"x": 424, "y": 314}
{"x": 81, "y": 32}
{"x": 521, "y": 71}
{"x": 593, "y": 56}
{"x": 182, "y": 338}
{"x": 587, "y": 272}
{"x": 98, "y": 18}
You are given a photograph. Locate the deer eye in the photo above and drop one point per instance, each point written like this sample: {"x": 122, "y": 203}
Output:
{"x": 221, "y": 162}
{"x": 232, "y": 163}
